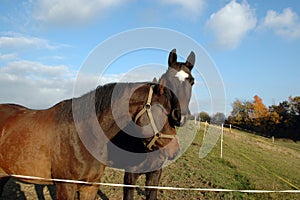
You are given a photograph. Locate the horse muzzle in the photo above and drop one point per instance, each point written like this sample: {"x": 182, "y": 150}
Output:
{"x": 179, "y": 119}
{"x": 183, "y": 120}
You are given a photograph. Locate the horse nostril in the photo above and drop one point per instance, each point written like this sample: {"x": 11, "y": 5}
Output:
{"x": 176, "y": 114}
{"x": 176, "y": 117}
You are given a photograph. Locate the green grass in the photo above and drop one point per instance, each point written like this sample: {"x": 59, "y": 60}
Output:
{"x": 249, "y": 163}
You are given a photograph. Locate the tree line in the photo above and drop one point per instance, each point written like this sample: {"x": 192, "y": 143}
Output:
{"x": 280, "y": 121}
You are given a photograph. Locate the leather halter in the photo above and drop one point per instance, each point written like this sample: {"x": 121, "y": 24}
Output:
{"x": 147, "y": 109}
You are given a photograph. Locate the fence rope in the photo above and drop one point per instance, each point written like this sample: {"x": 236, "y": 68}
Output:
{"x": 148, "y": 187}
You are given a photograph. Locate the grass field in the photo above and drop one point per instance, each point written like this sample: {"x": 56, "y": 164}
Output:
{"x": 249, "y": 163}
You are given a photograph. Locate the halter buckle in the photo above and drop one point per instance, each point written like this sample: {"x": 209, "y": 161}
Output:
{"x": 147, "y": 106}
{"x": 158, "y": 134}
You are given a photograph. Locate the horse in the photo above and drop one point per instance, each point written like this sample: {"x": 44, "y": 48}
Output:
{"x": 151, "y": 161}
{"x": 54, "y": 143}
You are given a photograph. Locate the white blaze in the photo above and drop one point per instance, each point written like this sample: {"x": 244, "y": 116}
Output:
{"x": 181, "y": 75}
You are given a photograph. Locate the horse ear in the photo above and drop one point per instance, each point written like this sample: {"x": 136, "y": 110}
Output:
{"x": 190, "y": 61}
{"x": 154, "y": 80}
{"x": 162, "y": 85}
{"x": 172, "y": 57}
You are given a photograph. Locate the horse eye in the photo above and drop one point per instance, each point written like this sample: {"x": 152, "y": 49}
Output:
{"x": 190, "y": 80}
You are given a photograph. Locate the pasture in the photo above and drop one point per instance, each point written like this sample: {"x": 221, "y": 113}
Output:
{"x": 249, "y": 163}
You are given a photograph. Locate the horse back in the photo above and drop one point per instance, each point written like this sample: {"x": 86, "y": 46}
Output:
{"x": 25, "y": 140}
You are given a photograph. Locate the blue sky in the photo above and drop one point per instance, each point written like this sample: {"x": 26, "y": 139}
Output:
{"x": 254, "y": 45}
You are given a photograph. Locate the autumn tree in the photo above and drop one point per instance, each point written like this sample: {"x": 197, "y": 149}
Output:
{"x": 259, "y": 108}
{"x": 259, "y": 115}
{"x": 281, "y": 120}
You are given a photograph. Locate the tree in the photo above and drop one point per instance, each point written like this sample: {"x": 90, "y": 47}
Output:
{"x": 204, "y": 116}
{"x": 282, "y": 120}
{"x": 240, "y": 114}
{"x": 260, "y": 111}
{"x": 289, "y": 118}
{"x": 295, "y": 105}
{"x": 260, "y": 115}
{"x": 294, "y": 118}
{"x": 218, "y": 118}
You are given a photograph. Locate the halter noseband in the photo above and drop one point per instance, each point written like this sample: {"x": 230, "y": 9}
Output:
{"x": 147, "y": 108}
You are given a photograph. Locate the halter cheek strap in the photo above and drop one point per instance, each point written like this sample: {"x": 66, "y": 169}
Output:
{"x": 147, "y": 109}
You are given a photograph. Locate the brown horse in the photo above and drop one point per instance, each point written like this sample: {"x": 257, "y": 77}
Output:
{"x": 59, "y": 142}
{"x": 153, "y": 160}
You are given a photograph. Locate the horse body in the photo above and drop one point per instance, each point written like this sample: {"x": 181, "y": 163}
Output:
{"x": 45, "y": 143}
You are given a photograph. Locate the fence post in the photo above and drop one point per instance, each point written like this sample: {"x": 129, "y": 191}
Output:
{"x": 205, "y": 125}
{"x": 273, "y": 140}
{"x": 230, "y": 128}
{"x": 221, "y": 154}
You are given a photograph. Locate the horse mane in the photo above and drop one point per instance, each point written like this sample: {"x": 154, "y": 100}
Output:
{"x": 101, "y": 96}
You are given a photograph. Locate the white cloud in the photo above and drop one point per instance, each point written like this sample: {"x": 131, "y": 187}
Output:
{"x": 23, "y": 42}
{"x": 8, "y": 56}
{"x": 285, "y": 24}
{"x": 37, "y": 85}
{"x": 188, "y": 8}
{"x": 70, "y": 13}
{"x": 25, "y": 68}
{"x": 231, "y": 23}
{"x": 34, "y": 84}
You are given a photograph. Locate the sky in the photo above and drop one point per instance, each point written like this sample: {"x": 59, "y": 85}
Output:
{"x": 253, "y": 47}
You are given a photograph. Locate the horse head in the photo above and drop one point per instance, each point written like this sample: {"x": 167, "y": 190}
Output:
{"x": 179, "y": 80}
{"x": 166, "y": 106}
{"x": 155, "y": 128}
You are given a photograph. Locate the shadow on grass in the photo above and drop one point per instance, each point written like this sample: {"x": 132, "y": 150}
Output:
{"x": 39, "y": 189}
{"x": 102, "y": 195}
{"x": 13, "y": 191}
